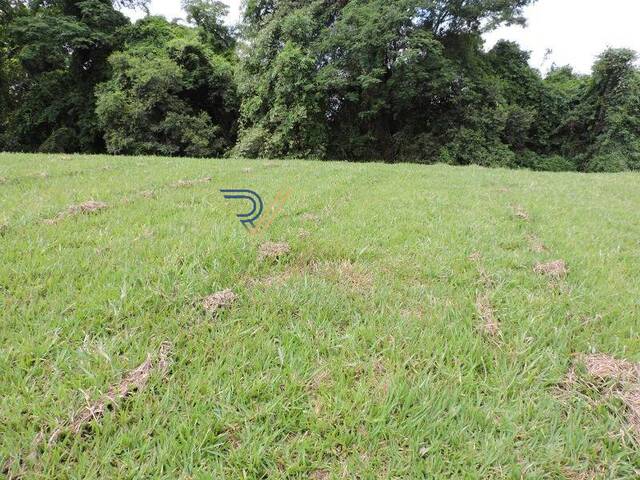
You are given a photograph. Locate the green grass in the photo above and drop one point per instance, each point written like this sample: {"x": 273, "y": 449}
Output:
{"x": 315, "y": 376}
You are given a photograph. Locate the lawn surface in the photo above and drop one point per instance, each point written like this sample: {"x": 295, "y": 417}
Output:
{"x": 363, "y": 353}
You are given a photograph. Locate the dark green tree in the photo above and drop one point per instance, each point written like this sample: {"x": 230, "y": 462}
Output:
{"x": 208, "y": 16}
{"x": 169, "y": 94}
{"x": 59, "y": 49}
{"x": 371, "y": 79}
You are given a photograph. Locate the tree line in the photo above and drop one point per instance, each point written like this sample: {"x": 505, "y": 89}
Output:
{"x": 359, "y": 80}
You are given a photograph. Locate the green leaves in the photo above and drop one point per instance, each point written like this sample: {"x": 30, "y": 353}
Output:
{"x": 176, "y": 97}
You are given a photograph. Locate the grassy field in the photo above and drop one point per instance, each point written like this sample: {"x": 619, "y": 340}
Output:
{"x": 411, "y": 332}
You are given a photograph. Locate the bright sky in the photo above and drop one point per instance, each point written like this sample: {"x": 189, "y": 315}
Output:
{"x": 574, "y": 30}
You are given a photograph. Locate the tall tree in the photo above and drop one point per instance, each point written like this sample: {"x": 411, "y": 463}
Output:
{"x": 359, "y": 79}
{"x": 61, "y": 47}
{"x": 170, "y": 94}
{"x": 209, "y": 16}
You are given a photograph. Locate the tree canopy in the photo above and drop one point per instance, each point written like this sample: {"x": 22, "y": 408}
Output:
{"x": 359, "y": 80}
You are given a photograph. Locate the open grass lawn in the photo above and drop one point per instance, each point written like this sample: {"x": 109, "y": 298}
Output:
{"x": 414, "y": 330}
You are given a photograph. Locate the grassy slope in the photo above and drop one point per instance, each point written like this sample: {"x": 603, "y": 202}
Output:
{"x": 315, "y": 375}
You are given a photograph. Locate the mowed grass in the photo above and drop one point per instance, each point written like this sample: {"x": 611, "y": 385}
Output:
{"x": 360, "y": 354}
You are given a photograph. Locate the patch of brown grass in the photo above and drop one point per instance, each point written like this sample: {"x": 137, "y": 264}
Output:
{"x": 85, "y": 208}
{"x": 350, "y": 274}
{"x": 521, "y": 213}
{"x": 320, "y": 475}
{"x": 310, "y": 217}
{"x": 536, "y": 245}
{"x": 191, "y": 183}
{"x": 556, "y": 269}
{"x": 270, "y": 250}
{"x": 297, "y": 268}
{"x": 148, "y": 194}
{"x": 626, "y": 375}
{"x": 219, "y": 300}
{"x": 631, "y": 399}
{"x": 134, "y": 381}
{"x": 489, "y": 324}
{"x": 605, "y": 367}
{"x": 321, "y": 378}
{"x": 571, "y": 474}
{"x": 485, "y": 278}
{"x": 475, "y": 257}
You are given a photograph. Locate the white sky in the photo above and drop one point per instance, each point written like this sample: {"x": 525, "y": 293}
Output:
{"x": 574, "y": 30}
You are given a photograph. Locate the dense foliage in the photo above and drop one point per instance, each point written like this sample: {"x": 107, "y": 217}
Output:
{"x": 407, "y": 80}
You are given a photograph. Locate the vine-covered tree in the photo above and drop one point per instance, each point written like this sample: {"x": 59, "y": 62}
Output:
{"x": 58, "y": 53}
{"x": 170, "y": 94}
{"x": 371, "y": 79}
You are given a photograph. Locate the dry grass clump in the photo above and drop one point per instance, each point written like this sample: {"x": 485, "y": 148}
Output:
{"x": 3, "y": 180}
{"x": 488, "y": 322}
{"x": 148, "y": 194}
{"x": 218, "y": 301}
{"x": 475, "y": 257}
{"x": 310, "y": 217}
{"x": 631, "y": 399}
{"x": 320, "y": 475}
{"x": 605, "y": 367}
{"x": 134, "y": 381}
{"x": 357, "y": 278}
{"x": 536, "y": 245}
{"x": 625, "y": 375}
{"x": 273, "y": 251}
{"x": 555, "y": 269}
{"x": 521, "y": 213}
{"x": 85, "y": 208}
{"x": 191, "y": 183}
